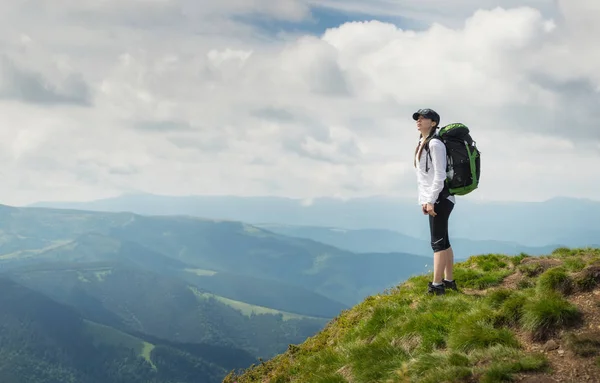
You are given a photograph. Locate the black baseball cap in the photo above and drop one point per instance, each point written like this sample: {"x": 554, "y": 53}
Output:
{"x": 427, "y": 113}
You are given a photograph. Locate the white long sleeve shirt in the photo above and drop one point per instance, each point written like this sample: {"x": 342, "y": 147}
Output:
{"x": 431, "y": 183}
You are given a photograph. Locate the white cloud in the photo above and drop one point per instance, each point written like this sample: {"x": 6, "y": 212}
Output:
{"x": 424, "y": 12}
{"x": 171, "y": 107}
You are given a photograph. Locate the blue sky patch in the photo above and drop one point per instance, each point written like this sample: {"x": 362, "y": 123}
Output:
{"x": 321, "y": 19}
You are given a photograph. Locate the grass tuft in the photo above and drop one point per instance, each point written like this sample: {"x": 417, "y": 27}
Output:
{"x": 525, "y": 283}
{"x": 375, "y": 361}
{"x": 478, "y": 279}
{"x": 531, "y": 269}
{"x": 497, "y": 297}
{"x": 588, "y": 278}
{"x": 437, "y": 367}
{"x": 542, "y": 315}
{"x": 476, "y": 330}
{"x": 516, "y": 260}
{"x": 491, "y": 262}
{"x": 574, "y": 264}
{"x": 479, "y": 335}
{"x": 586, "y": 344}
{"x": 484, "y": 271}
{"x": 555, "y": 280}
{"x": 562, "y": 252}
{"x": 506, "y": 361}
{"x": 510, "y": 311}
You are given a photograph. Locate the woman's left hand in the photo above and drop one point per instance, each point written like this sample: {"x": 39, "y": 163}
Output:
{"x": 431, "y": 210}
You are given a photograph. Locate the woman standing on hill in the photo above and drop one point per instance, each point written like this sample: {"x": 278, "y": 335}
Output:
{"x": 430, "y": 163}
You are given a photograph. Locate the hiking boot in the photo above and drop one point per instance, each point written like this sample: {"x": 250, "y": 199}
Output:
{"x": 437, "y": 290}
{"x": 450, "y": 285}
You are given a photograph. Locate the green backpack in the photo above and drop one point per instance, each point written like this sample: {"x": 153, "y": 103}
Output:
{"x": 464, "y": 159}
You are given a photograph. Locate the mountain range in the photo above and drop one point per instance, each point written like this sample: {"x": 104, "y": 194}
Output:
{"x": 381, "y": 240}
{"x": 514, "y": 227}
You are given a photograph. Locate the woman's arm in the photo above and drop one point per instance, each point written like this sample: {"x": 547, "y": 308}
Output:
{"x": 438, "y": 158}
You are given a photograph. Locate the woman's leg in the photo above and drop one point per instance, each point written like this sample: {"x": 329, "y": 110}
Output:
{"x": 448, "y": 253}
{"x": 449, "y": 257}
{"x": 439, "y": 265}
{"x": 448, "y": 264}
{"x": 438, "y": 256}
{"x": 442, "y": 254}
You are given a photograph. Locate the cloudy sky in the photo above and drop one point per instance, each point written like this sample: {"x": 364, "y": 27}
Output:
{"x": 297, "y": 98}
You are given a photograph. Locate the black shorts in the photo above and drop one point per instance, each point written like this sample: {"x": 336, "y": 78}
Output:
{"x": 438, "y": 225}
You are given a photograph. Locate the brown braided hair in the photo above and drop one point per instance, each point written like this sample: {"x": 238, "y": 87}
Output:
{"x": 425, "y": 142}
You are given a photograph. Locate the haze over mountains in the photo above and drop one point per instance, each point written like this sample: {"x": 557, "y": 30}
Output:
{"x": 510, "y": 227}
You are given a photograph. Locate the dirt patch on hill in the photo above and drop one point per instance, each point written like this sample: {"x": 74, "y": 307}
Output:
{"x": 574, "y": 355}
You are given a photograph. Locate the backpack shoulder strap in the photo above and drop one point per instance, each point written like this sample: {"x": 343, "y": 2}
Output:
{"x": 434, "y": 137}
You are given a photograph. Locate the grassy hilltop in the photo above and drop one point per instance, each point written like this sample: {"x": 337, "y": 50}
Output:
{"x": 520, "y": 318}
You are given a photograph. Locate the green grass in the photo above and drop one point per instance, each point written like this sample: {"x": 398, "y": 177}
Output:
{"x": 101, "y": 275}
{"x": 484, "y": 271}
{"x": 102, "y": 334}
{"x": 22, "y": 254}
{"x": 574, "y": 264}
{"x": 588, "y": 278}
{"x": 201, "y": 272}
{"x": 247, "y": 308}
{"x": 404, "y": 335}
{"x": 543, "y": 314}
{"x": 555, "y": 279}
{"x": 531, "y": 269}
{"x": 147, "y": 352}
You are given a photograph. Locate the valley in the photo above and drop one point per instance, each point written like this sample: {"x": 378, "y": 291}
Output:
{"x": 201, "y": 293}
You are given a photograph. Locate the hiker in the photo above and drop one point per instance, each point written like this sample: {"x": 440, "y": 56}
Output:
{"x": 430, "y": 163}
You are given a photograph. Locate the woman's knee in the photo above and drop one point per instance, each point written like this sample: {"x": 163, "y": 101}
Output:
{"x": 443, "y": 244}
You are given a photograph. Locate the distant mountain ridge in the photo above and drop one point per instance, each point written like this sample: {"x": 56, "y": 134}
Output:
{"x": 380, "y": 240}
{"x": 555, "y": 222}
